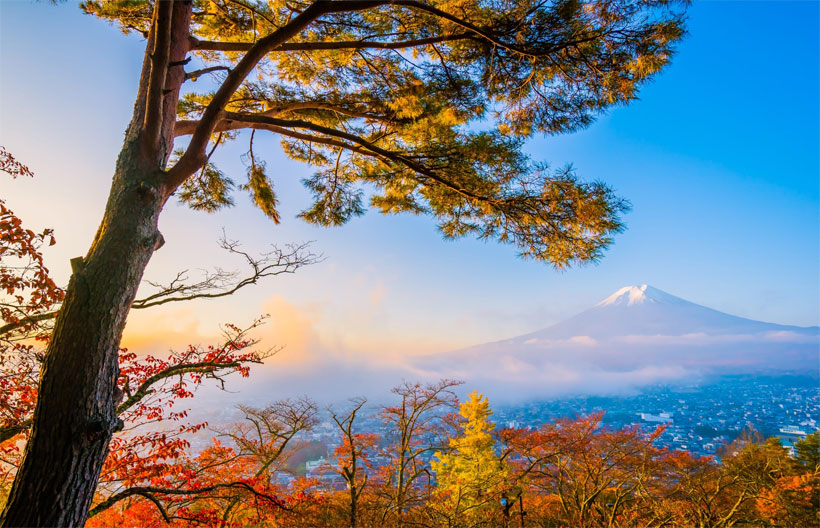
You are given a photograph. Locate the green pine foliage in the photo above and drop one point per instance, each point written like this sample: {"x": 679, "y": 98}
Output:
{"x": 425, "y": 106}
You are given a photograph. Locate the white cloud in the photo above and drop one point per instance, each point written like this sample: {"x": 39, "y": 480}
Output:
{"x": 580, "y": 340}
{"x": 786, "y": 336}
{"x": 701, "y": 338}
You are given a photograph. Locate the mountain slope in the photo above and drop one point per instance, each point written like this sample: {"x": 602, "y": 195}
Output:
{"x": 637, "y": 335}
{"x": 645, "y": 310}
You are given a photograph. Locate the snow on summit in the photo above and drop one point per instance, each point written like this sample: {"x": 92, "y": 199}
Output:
{"x": 629, "y": 295}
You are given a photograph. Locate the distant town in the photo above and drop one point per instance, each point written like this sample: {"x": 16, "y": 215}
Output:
{"x": 698, "y": 417}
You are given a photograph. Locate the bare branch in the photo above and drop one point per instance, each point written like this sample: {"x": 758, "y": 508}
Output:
{"x": 221, "y": 284}
{"x": 214, "y": 284}
{"x": 197, "y": 73}
{"x": 145, "y": 491}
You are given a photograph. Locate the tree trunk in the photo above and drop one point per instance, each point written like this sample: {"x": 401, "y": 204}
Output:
{"x": 399, "y": 491}
{"x": 76, "y": 415}
{"x": 353, "y": 512}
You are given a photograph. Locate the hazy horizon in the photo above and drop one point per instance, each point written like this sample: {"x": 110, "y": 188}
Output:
{"x": 638, "y": 337}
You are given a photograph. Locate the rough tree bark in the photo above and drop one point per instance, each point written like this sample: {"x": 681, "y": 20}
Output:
{"x": 76, "y": 415}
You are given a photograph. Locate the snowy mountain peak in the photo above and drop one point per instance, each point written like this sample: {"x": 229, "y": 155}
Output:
{"x": 637, "y": 336}
{"x": 631, "y": 295}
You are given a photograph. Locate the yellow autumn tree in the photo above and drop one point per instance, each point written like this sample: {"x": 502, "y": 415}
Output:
{"x": 470, "y": 475}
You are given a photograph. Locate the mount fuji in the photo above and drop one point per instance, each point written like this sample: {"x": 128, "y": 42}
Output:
{"x": 638, "y": 335}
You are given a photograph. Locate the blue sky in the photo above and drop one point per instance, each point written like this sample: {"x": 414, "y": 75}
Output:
{"x": 719, "y": 158}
